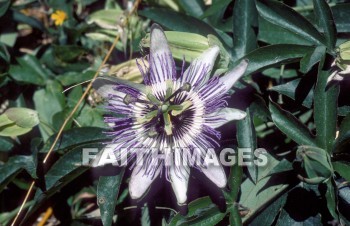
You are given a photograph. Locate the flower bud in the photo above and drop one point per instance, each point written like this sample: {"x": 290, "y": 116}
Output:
{"x": 182, "y": 44}
{"x": 316, "y": 163}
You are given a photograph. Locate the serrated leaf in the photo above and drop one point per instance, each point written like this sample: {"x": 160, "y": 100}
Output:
{"x": 291, "y": 126}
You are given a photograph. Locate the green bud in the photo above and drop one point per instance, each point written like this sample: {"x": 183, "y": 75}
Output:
{"x": 316, "y": 163}
{"x": 344, "y": 51}
{"x": 182, "y": 44}
{"x": 107, "y": 18}
{"x": 127, "y": 71}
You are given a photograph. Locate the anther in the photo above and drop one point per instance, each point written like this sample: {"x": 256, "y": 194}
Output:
{"x": 128, "y": 99}
{"x": 185, "y": 87}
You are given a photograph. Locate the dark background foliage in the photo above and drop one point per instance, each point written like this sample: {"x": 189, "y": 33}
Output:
{"x": 290, "y": 46}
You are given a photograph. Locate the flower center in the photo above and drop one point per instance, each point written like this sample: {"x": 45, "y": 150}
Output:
{"x": 162, "y": 112}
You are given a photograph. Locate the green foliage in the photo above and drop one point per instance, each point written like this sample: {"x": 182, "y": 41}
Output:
{"x": 293, "y": 109}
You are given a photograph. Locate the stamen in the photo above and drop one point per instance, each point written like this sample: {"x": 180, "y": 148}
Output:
{"x": 128, "y": 99}
{"x": 186, "y": 87}
{"x": 152, "y": 132}
{"x": 167, "y": 124}
{"x": 184, "y": 106}
{"x": 153, "y": 99}
{"x": 148, "y": 117}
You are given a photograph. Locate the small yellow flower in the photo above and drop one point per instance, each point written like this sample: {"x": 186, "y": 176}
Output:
{"x": 59, "y": 17}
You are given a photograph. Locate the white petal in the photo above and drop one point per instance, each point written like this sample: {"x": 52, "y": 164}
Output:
{"x": 224, "y": 116}
{"x": 231, "y": 77}
{"x": 215, "y": 172}
{"x": 162, "y": 64}
{"x": 335, "y": 76}
{"x": 140, "y": 181}
{"x": 193, "y": 73}
{"x": 179, "y": 181}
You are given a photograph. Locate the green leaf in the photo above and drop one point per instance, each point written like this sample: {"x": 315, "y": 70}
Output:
{"x": 29, "y": 71}
{"x": 13, "y": 166}
{"x": 285, "y": 17}
{"x": 341, "y": 14}
{"x": 325, "y": 103}
{"x": 12, "y": 130}
{"x": 343, "y": 168}
{"x": 6, "y": 144}
{"x": 68, "y": 53}
{"x": 235, "y": 218}
{"x": 4, "y": 5}
{"x": 331, "y": 200}
{"x": 274, "y": 34}
{"x": 106, "y": 18}
{"x": 326, "y": 22}
{"x": 107, "y": 193}
{"x": 18, "y": 121}
{"x": 70, "y": 78}
{"x": 219, "y": 6}
{"x": 234, "y": 181}
{"x": 22, "y": 18}
{"x": 312, "y": 58}
{"x": 178, "y": 22}
{"x": 282, "y": 167}
{"x": 244, "y": 37}
{"x": 291, "y": 126}
{"x": 268, "y": 215}
{"x": 48, "y": 102}
{"x": 246, "y": 138}
{"x": 23, "y": 117}
{"x": 200, "y": 212}
{"x": 6, "y": 217}
{"x": 91, "y": 117}
{"x": 145, "y": 219}
{"x": 274, "y": 55}
{"x": 293, "y": 89}
{"x": 257, "y": 196}
{"x": 344, "y": 126}
{"x": 193, "y": 8}
{"x": 75, "y": 137}
{"x": 65, "y": 170}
